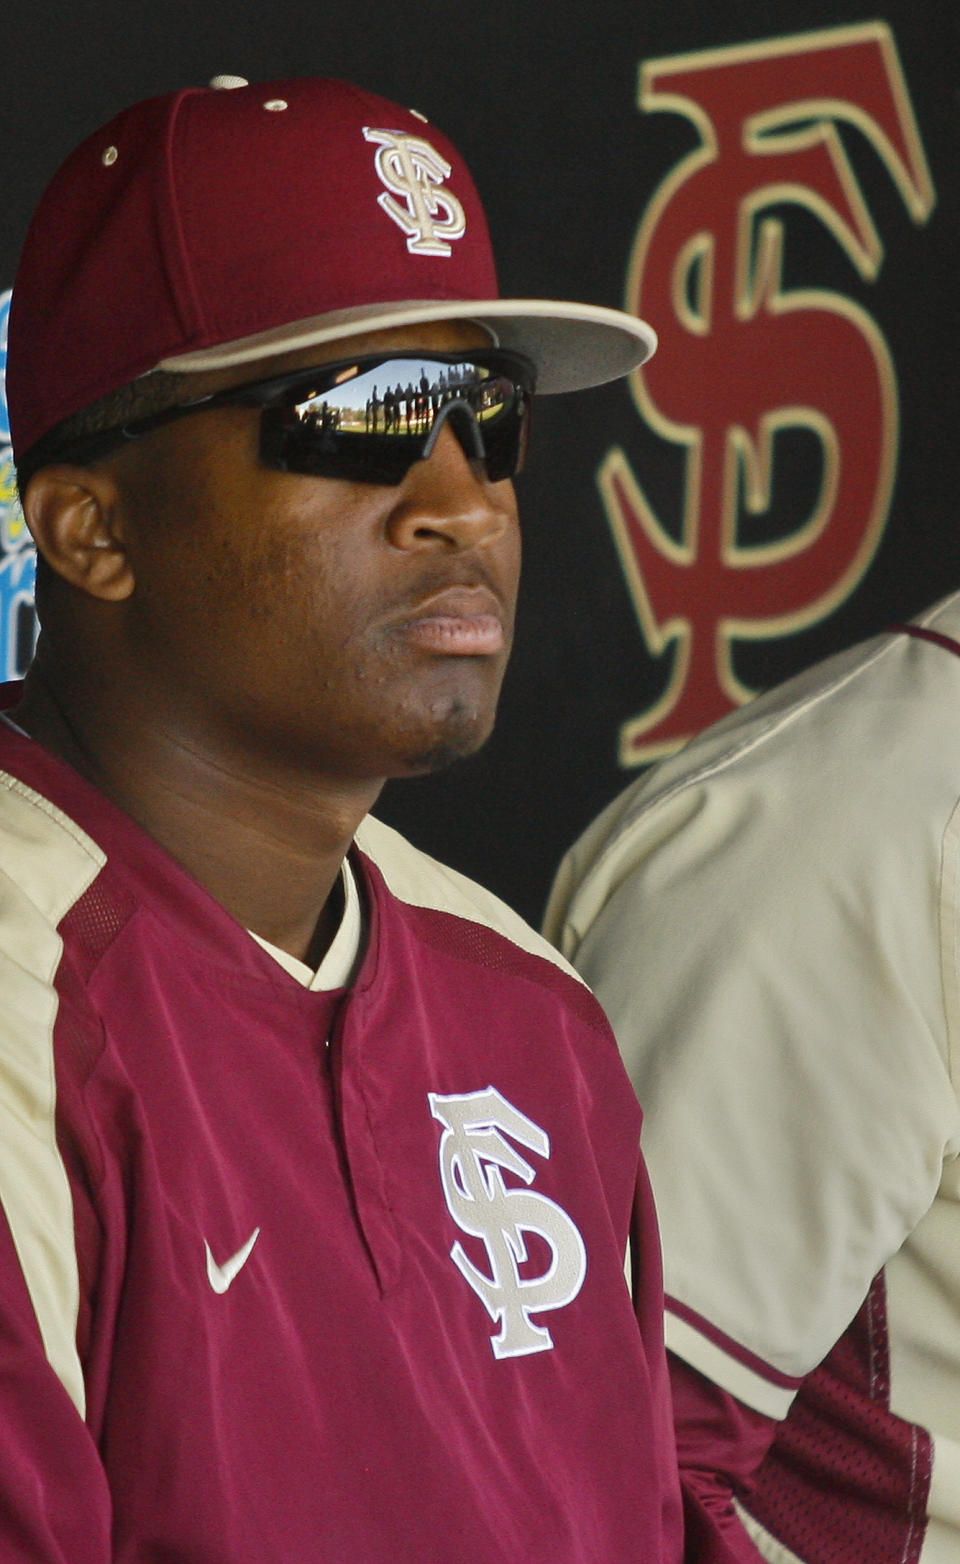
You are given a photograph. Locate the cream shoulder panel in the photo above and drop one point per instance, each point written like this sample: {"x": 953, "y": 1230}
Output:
{"x": 46, "y": 864}
{"x": 422, "y": 881}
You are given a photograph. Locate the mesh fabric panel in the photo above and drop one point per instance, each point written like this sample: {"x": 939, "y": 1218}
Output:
{"x": 845, "y": 1480}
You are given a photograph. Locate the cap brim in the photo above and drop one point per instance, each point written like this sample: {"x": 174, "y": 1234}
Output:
{"x": 572, "y": 346}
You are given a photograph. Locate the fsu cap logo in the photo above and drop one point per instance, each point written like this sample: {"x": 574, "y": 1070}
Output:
{"x": 748, "y": 365}
{"x": 413, "y": 170}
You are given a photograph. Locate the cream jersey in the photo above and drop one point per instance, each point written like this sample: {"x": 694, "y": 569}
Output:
{"x": 771, "y": 920}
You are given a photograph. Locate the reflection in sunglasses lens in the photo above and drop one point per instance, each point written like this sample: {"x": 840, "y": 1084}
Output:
{"x": 376, "y": 419}
{"x": 404, "y": 398}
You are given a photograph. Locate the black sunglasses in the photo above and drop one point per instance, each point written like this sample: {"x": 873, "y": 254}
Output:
{"x": 369, "y": 419}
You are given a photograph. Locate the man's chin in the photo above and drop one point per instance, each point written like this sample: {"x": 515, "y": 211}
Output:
{"x": 457, "y": 741}
{"x": 440, "y": 757}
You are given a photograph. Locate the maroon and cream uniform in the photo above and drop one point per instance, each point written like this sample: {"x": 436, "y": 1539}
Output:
{"x": 772, "y": 922}
{"x": 290, "y": 1275}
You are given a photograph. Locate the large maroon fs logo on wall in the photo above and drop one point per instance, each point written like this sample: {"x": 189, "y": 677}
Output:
{"x": 743, "y": 359}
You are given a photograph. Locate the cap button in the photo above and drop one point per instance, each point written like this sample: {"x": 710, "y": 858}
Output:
{"x": 223, "y": 82}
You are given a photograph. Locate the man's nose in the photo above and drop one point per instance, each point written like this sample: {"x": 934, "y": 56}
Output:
{"x": 446, "y": 502}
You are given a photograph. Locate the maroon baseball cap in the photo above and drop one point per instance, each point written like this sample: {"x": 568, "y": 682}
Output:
{"x": 217, "y": 226}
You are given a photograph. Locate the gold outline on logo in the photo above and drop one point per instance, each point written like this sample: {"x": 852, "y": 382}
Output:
{"x": 758, "y": 274}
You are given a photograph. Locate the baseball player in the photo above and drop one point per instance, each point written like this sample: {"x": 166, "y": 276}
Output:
{"x": 772, "y": 921}
{"x": 317, "y": 1165}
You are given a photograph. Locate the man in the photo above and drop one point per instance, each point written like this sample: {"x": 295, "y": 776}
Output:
{"x": 771, "y": 919}
{"x": 317, "y": 1166}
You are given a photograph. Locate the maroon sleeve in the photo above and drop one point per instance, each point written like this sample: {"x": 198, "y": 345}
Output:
{"x": 701, "y": 1418}
{"x": 647, "y": 1288}
{"x": 720, "y": 1445}
{"x": 54, "y": 1501}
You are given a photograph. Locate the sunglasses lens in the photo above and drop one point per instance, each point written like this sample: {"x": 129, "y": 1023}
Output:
{"x": 376, "y": 420}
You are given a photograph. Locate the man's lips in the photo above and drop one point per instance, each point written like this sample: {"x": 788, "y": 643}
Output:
{"x": 461, "y": 622}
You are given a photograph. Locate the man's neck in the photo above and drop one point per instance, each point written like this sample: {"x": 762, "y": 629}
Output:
{"x": 268, "y": 846}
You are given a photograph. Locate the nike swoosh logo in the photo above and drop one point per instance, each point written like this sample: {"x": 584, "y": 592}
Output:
{"x": 221, "y": 1276}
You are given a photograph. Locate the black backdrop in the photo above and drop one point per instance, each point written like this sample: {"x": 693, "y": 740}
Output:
{"x": 542, "y": 97}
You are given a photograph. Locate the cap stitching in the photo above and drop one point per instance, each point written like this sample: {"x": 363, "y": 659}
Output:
{"x": 198, "y": 325}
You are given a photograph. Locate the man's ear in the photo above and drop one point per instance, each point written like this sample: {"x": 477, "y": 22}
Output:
{"x": 74, "y": 516}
